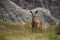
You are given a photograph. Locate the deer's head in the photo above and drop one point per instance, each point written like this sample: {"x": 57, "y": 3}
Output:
{"x": 33, "y": 13}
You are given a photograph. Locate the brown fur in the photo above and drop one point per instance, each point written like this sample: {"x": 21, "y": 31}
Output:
{"x": 38, "y": 23}
{"x": 35, "y": 23}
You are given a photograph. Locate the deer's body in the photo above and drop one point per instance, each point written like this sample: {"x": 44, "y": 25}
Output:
{"x": 38, "y": 23}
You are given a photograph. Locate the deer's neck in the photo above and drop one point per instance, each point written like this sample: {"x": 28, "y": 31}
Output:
{"x": 33, "y": 18}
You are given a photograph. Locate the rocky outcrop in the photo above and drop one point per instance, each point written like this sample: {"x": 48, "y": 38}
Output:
{"x": 11, "y": 12}
{"x": 52, "y": 5}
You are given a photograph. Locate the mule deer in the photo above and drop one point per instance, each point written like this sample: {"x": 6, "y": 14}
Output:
{"x": 35, "y": 22}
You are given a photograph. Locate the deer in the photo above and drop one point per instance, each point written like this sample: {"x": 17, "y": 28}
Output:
{"x": 36, "y": 23}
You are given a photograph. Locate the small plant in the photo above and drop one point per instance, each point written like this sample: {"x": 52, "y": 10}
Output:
{"x": 58, "y": 29}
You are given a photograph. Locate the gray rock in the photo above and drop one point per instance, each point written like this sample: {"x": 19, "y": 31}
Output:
{"x": 52, "y": 5}
{"x": 11, "y": 12}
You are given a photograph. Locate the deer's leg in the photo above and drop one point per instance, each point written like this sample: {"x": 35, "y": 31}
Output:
{"x": 32, "y": 28}
{"x": 41, "y": 28}
{"x": 35, "y": 28}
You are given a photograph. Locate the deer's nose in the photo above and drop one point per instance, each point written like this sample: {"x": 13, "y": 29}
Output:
{"x": 34, "y": 15}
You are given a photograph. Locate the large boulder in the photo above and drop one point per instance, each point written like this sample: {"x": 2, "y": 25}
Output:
{"x": 52, "y": 5}
{"x": 11, "y": 12}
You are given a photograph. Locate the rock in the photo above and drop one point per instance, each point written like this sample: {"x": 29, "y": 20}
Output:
{"x": 11, "y": 12}
{"x": 52, "y": 5}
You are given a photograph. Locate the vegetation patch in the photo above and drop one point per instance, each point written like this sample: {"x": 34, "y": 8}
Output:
{"x": 20, "y": 31}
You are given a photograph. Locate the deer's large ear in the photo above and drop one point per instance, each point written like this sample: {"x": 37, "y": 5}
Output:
{"x": 30, "y": 11}
{"x": 36, "y": 12}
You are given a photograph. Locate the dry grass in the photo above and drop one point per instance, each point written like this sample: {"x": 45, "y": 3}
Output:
{"x": 20, "y": 31}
